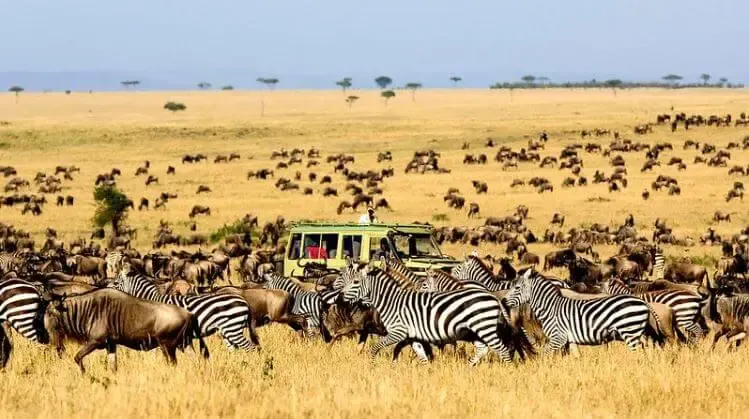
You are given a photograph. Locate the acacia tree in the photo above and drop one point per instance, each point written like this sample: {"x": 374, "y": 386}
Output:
{"x": 344, "y": 83}
{"x": 455, "y": 80}
{"x": 723, "y": 81}
{"x": 203, "y": 85}
{"x": 17, "y": 90}
{"x": 672, "y": 78}
{"x": 528, "y": 79}
{"x": 269, "y": 82}
{"x": 387, "y": 95}
{"x": 351, "y": 100}
{"x": 613, "y": 84}
{"x": 413, "y": 87}
{"x": 111, "y": 207}
{"x": 227, "y": 87}
{"x": 130, "y": 83}
{"x": 543, "y": 80}
{"x": 705, "y": 78}
{"x": 383, "y": 81}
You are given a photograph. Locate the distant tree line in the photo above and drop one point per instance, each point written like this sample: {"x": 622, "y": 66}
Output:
{"x": 669, "y": 81}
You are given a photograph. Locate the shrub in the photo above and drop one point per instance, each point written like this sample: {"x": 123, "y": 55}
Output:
{"x": 440, "y": 217}
{"x": 175, "y": 106}
{"x": 111, "y": 206}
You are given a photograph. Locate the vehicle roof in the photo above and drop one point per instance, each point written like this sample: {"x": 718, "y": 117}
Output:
{"x": 377, "y": 228}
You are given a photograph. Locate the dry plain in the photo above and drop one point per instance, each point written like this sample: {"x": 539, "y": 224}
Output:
{"x": 290, "y": 377}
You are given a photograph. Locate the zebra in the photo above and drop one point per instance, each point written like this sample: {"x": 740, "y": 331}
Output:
{"x": 114, "y": 261}
{"x": 400, "y": 270}
{"x": 227, "y": 314}
{"x": 569, "y": 322}
{"x": 443, "y": 317}
{"x": 685, "y": 305}
{"x": 659, "y": 264}
{"x": 306, "y": 303}
{"x": 475, "y": 271}
{"x": 12, "y": 262}
{"x": 21, "y": 307}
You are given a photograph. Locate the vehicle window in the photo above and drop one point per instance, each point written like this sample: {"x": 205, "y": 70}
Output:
{"x": 295, "y": 246}
{"x": 379, "y": 247}
{"x": 330, "y": 245}
{"x": 417, "y": 245}
{"x": 312, "y": 246}
{"x": 352, "y": 246}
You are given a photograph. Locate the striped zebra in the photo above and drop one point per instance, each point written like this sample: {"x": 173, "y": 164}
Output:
{"x": 396, "y": 268}
{"x": 114, "y": 262}
{"x": 306, "y": 303}
{"x": 227, "y": 314}
{"x": 569, "y": 322}
{"x": 444, "y": 317}
{"x": 12, "y": 262}
{"x": 685, "y": 305}
{"x": 21, "y": 307}
{"x": 659, "y": 264}
{"x": 474, "y": 270}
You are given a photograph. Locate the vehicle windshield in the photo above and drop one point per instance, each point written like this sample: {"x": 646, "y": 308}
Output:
{"x": 415, "y": 246}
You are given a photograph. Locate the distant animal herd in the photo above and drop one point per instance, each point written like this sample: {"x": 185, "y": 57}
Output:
{"x": 103, "y": 293}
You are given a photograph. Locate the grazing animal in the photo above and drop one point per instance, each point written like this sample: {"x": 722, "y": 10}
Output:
{"x": 20, "y": 305}
{"x": 467, "y": 314}
{"x": 226, "y": 314}
{"x": 306, "y": 304}
{"x": 569, "y": 322}
{"x": 105, "y": 318}
{"x": 733, "y": 311}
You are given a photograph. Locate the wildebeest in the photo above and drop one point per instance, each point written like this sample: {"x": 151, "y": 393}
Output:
{"x": 105, "y": 318}
{"x": 199, "y": 210}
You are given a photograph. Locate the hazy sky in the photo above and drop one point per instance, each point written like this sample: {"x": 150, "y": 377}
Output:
{"x": 311, "y": 40}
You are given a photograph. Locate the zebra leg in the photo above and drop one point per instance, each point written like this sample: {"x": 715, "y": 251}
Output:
{"x": 235, "y": 339}
{"x": 554, "y": 344}
{"x": 695, "y": 333}
{"x": 633, "y": 340}
{"x": 489, "y": 337}
{"x": 6, "y": 347}
{"x": 574, "y": 351}
{"x": 481, "y": 350}
{"x": 394, "y": 336}
{"x": 735, "y": 337}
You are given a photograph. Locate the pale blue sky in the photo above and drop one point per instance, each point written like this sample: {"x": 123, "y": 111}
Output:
{"x": 306, "y": 42}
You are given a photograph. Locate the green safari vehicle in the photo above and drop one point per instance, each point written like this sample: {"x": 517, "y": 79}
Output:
{"x": 330, "y": 244}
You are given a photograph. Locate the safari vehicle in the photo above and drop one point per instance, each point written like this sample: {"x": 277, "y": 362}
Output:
{"x": 329, "y": 245}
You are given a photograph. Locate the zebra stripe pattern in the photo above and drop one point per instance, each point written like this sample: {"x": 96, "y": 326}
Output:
{"x": 20, "y": 304}
{"x": 659, "y": 264}
{"x": 474, "y": 270}
{"x": 571, "y": 322}
{"x": 685, "y": 305}
{"x": 227, "y": 314}
{"x": 307, "y": 304}
{"x": 114, "y": 262}
{"x": 10, "y": 262}
{"x": 431, "y": 317}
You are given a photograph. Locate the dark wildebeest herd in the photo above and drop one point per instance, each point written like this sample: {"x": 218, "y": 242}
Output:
{"x": 104, "y": 293}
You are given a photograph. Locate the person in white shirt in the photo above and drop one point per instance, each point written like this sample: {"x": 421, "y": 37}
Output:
{"x": 368, "y": 217}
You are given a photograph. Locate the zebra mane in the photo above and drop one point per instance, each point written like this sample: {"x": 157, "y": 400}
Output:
{"x": 393, "y": 270}
{"x": 479, "y": 262}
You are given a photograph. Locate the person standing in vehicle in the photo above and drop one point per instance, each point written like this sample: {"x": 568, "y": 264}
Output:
{"x": 368, "y": 217}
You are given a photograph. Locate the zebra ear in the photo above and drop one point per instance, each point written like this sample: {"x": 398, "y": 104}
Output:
{"x": 475, "y": 253}
{"x": 528, "y": 274}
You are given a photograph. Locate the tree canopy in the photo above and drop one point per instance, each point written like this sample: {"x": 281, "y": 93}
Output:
{"x": 268, "y": 81}
{"x": 129, "y": 83}
{"x": 528, "y": 79}
{"x": 672, "y": 78}
{"x": 383, "y": 81}
{"x": 455, "y": 80}
{"x": 705, "y": 78}
{"x": 351, "y": 100}
{"x": 111, "y": 206}
{"x": 16, "y": 89}
{"x": 387, "y": 94}
{"x": 227, "y": 87}
{"x": 413, "y": 87}
{"x": 203, "y": 85}
{"x": 344, "y": 83}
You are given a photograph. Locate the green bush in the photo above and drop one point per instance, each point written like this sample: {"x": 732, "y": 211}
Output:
{"x": 111, "y": 206}
{"x": 237, "y": 227}
{"x": 440, "y": 217}
{"x": 175, "y": 106}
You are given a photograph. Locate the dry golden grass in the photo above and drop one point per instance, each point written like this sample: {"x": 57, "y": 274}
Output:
{"x": 101, "y": 131}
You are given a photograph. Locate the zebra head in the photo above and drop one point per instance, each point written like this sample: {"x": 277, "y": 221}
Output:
{"x": 520, "y": 293}
{"x": 356, "y": 286}
{"x": 430, "y": 283}
{"x": 123, "y": 282}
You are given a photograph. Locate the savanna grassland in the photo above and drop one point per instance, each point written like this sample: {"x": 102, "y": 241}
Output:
{"x": 291, "y": 377}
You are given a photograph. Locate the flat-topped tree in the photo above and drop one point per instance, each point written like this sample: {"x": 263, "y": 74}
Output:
{"x": 269, "y": 82}
{"x": 723, "y": 81}
{"x": 351, "y": 100}
{"x": 227, "y": 87}
{"x": 528, "y": 79}
{"x": 344, "y": 83}
{"x": 705, "y": 78}
{"x": 613, "y": 84}
{"x": 413, "y": 87}
{"x": 455, "y": 80}
{"x": 387, "y": 95}
{"x": 543, "y": 80}
{"x": 204, "y": 85}
{"x": 130, "y": 83}
{"x": 383, "y": 81}
{"x": 672, "y": 78}
{"x": 17, "y": 90}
